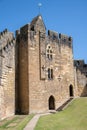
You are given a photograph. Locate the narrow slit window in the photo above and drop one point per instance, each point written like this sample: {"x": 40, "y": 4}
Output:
{"x": 50, "y": 74}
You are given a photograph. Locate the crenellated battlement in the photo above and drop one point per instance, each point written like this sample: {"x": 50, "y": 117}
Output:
{"x": 6, "y": 39}
{"x": 37, "y": 25}
{"x": 63, "y": 36}
{"x": 80, "y": 65}
{"x": 53, "y": 35}
{"x": 3, "y": 33}
{"x": 66, "y": 40}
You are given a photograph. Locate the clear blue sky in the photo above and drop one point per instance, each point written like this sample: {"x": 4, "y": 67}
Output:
{"x": 64, "y": 16}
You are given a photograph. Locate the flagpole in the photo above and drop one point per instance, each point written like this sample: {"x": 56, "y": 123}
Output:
{"x": 39, "y": 5}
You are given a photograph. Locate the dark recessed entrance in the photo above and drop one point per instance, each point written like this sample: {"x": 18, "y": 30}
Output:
{"x": 51, "y": 103}
{"x": 71, "y": 90}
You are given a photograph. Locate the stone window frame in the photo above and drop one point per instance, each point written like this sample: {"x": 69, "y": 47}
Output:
{"x": 50, "y": 73}
{"x": 49, "y": 52}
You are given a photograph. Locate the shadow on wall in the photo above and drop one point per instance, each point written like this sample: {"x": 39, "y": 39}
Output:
{"x": 84, "y": 92}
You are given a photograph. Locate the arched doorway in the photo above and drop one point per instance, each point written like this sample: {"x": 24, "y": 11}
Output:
{"x": 71, "y": 90}
{"x": 51, "y": 103}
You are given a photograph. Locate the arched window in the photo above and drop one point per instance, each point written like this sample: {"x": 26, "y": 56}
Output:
{"x": 49, "y": 52}
{"x": 50, "y": 73}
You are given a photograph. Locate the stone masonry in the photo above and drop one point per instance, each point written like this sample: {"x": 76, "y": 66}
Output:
{"x": 37, "y": 70}
{"x": 7, "y": 74}
{"x": 46, "y": 71}
{"x": 81, "y": 71}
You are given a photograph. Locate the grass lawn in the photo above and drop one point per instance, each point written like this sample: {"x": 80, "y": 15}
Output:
{"x": 74, "y": 117}
{"x": 17, "y": 122}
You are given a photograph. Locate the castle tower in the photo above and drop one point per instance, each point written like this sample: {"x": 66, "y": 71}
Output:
{"x": 45, "y": 68}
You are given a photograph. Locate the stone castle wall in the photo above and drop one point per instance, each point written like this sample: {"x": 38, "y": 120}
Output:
{"x": 7, "y": 74}
{"x": 37, "y": 71}
{"x": 81, "y": 72}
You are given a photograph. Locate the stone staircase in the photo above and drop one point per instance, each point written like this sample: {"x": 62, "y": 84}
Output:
{"x": 65, "y": 104}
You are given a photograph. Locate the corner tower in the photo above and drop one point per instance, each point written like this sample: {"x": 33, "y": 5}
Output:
{"x": 27, "y": 65}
